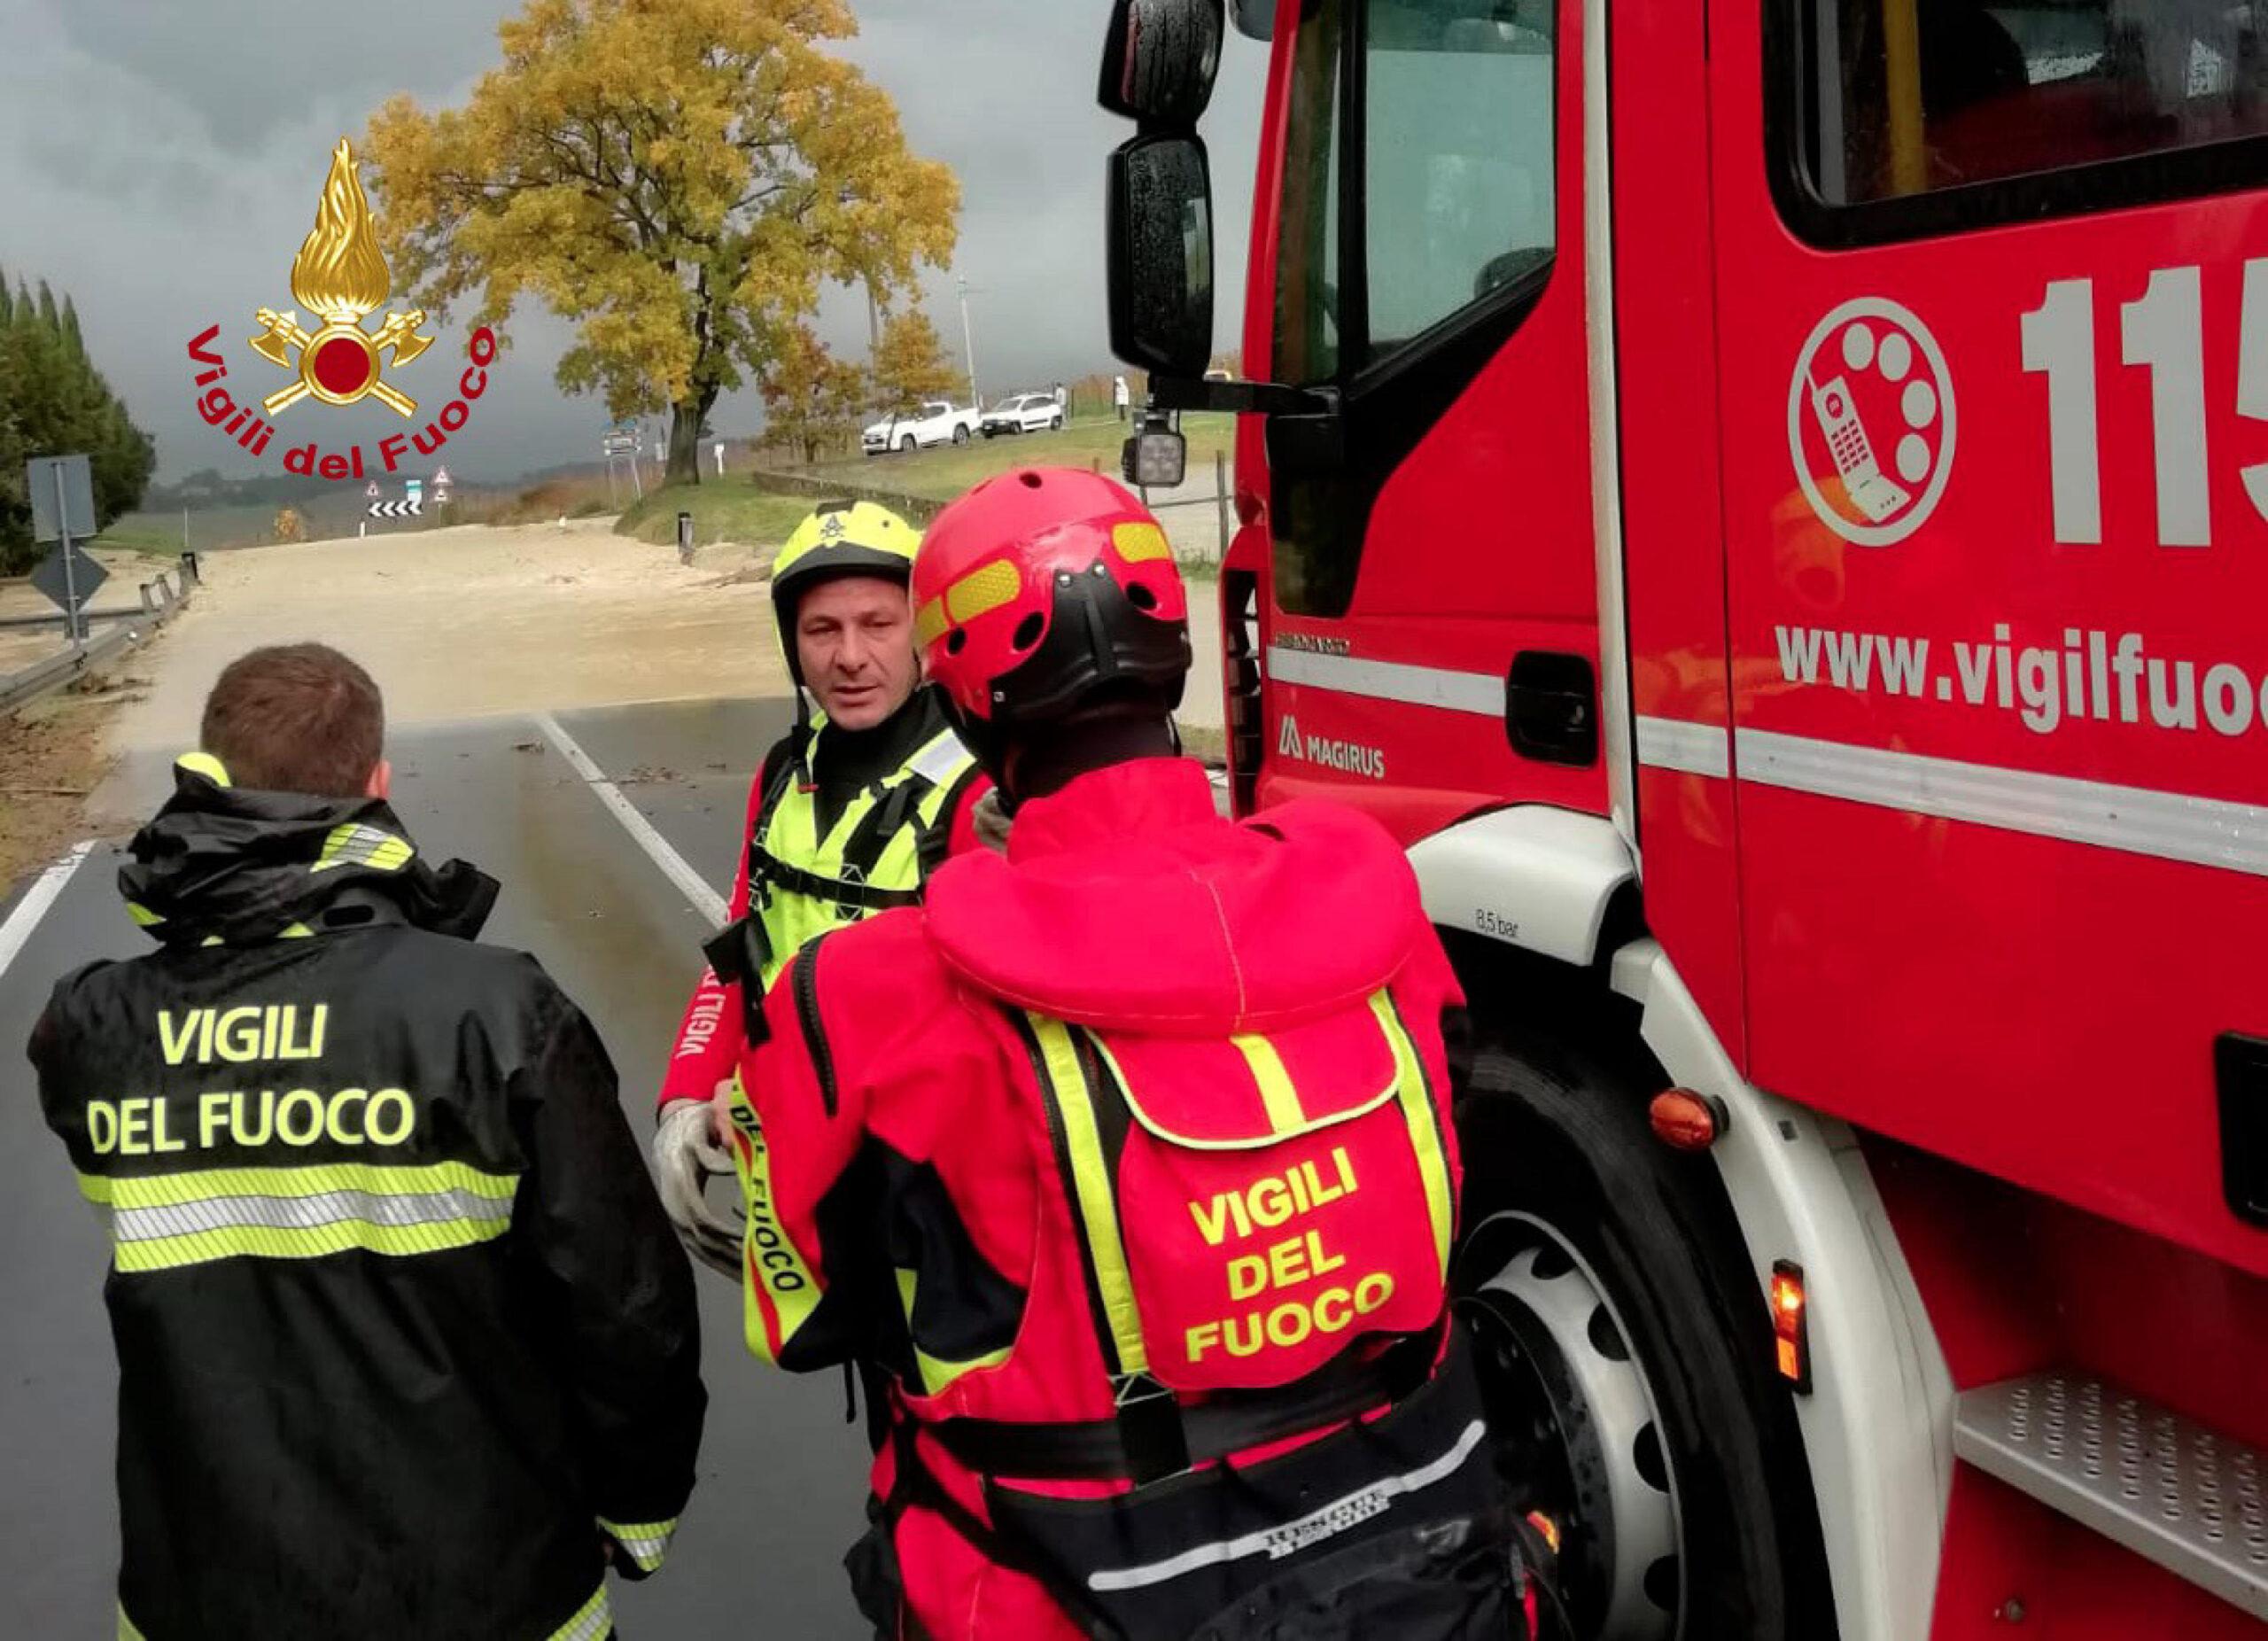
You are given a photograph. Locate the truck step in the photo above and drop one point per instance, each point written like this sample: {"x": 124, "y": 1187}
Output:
{"x": 2188, "y": 1498}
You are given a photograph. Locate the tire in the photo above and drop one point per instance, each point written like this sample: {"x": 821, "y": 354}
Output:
{"x": 1628, "y": 1358}
{"x": 961, "y": 435}
{"x": 1056, "y": 427}
{"x": 906, "y": 445}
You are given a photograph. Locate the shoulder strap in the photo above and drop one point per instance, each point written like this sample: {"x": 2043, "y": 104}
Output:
{"x": 937, "y": 838}
{"x": 1088, "y": 1120}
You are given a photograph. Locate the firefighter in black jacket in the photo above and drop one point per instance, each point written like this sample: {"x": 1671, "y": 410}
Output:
{"x": 406, "y": 1347}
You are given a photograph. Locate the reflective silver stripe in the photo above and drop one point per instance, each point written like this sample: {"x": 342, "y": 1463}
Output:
{"x": 1481, "y": 693}
{"x": 307, "y": 1213}
{"x": 1690, "y": 748}
{"x": 594, "y": 1618}
{"x": 1313, "y": 1527}
{"x": 647, "y": 1542}
{"x": 940, "y": 761}
{"x": 2170, "y": 826}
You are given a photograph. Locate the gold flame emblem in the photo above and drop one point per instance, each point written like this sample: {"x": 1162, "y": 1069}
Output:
{"x": 340, "y": 277}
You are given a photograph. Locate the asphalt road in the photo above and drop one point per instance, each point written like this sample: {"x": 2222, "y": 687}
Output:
{"x": 782, "y": 1477}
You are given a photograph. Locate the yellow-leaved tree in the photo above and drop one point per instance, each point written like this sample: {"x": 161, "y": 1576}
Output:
{"x": 811, "y": 399}
{"x": 680, "y": 177}
{"x": 910, "y": 363}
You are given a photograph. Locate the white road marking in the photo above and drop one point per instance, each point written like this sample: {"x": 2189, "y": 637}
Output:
{"x": 45, "y": 890}
{"x": 704, "y": 899}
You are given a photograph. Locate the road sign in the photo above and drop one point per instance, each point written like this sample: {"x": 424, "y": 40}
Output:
{"x": 373, "y": 490}
{"x": 620, "y": 444}
{"x": 72, "y": 591}
{"x": 410, "y": 509}
{"x": 77, "y": 494}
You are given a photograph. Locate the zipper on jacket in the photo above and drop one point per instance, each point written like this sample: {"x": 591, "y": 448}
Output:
{"x": 806, "y": 985}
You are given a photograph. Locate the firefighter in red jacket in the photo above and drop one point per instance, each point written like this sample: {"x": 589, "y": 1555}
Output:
{"x": 849, "y": 811}
{"x": 1128, "y": 1156}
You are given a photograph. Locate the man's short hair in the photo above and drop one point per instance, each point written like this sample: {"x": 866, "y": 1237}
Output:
{"x": 296, "y": 717}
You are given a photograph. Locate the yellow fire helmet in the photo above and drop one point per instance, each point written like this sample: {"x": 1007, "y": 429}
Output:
{"x": 839, "y": 539}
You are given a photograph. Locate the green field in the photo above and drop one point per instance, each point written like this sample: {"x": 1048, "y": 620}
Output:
{"x": 733, "y": 510}
{"x": 723, "y": 510}
{"x": 944, "y": 472}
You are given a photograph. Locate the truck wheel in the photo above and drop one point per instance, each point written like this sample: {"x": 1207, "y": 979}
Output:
{"x": 1627, "y": 1356}
{"x": 961, "y": 435}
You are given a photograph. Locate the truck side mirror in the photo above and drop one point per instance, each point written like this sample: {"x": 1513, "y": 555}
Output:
{"x": 1159, "y": 61}
{"x": 1160, "y": 262}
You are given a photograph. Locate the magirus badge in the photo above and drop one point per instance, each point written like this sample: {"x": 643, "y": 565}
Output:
{"x": 340, "y": 277}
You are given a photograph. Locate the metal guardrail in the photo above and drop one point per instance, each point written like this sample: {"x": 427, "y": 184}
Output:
{"x": 160, "y": 604}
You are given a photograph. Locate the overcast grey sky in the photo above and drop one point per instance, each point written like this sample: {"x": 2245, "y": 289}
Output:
{"x": 161, "y": 159}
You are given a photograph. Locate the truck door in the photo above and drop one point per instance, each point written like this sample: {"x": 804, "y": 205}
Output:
{"x": 1431, "y": 543}
{"x": 1995, "y": 316}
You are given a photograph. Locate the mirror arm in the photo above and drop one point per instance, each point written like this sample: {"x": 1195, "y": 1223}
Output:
{"x": 1246, "y": 398}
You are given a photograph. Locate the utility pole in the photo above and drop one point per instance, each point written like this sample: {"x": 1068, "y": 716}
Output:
{"x": 874, "y": 322}
{"x": 968, "y": 341}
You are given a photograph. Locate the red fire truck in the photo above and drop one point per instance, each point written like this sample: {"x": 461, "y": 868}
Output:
{"x": 1769, "y": 500}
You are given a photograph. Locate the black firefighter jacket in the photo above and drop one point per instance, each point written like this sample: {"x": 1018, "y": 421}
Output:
{"x": 405, "y": 1343}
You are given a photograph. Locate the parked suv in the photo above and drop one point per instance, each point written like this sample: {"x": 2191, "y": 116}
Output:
{"x": 1025, "y": 413}
{"x": 935, "y": 422}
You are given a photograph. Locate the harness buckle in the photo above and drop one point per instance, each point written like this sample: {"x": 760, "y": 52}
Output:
{"x": 1149, "y": 1428}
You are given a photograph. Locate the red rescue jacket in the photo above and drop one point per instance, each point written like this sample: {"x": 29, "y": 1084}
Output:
{"x": 1153, "y": 1109}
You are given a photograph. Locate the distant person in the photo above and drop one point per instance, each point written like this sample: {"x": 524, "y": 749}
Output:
{"x": 849, "y": 814}
{"x": 405, "y": 1348}
{"x": 1122, "y": 397}
{"x": 1062, "y": 398}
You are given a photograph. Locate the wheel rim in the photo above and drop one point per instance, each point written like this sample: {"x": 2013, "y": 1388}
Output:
{"x": 1577, "y": 1427}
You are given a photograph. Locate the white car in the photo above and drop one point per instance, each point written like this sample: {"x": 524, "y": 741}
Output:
{"x": 935, "y": 422}
{"x": 1025, "y": 413}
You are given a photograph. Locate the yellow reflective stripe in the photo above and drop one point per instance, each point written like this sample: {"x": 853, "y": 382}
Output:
{"x": 930, "y": 623}
{"x": 142, "y": 916}
{"x": 591, "y": 1619}
{"x": 983, "y": 590}
{"x": 646, "y": 1542}
{"x": 353, "y": 844}
{"x": 1275, "y": 1091}
{"x": 171, "y": 1253}
{"x": 295, "y": 931}
{"x": 1137, "y": 542}
{"x": 204, "y": 764}
{"x": 1091, "y": 1174}
{"x": 174, "y": 1190}
{"x": 95, "y": 1188}
{"x": 1419, "y": 1111}
{"x": 126, "y": 1629}
{"x": 163, "y": 1222}
{"x": 768, "y": 1253}
{"x": 938, "y": 1372}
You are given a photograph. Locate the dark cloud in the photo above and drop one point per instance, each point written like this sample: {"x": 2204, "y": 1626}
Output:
{"x": 160, "y": 159}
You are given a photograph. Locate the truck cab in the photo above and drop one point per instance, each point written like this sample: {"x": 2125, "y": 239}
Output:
{"x": 1768, "y": 502}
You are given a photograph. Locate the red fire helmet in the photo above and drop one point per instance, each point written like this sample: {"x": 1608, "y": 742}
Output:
{"x": 1042, "y": 590}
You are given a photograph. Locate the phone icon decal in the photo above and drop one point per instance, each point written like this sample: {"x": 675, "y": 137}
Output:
{"x": 1872, "y": 366}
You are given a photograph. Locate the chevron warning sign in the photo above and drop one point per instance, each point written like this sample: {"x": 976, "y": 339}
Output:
{"x": 396, "y": 509}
